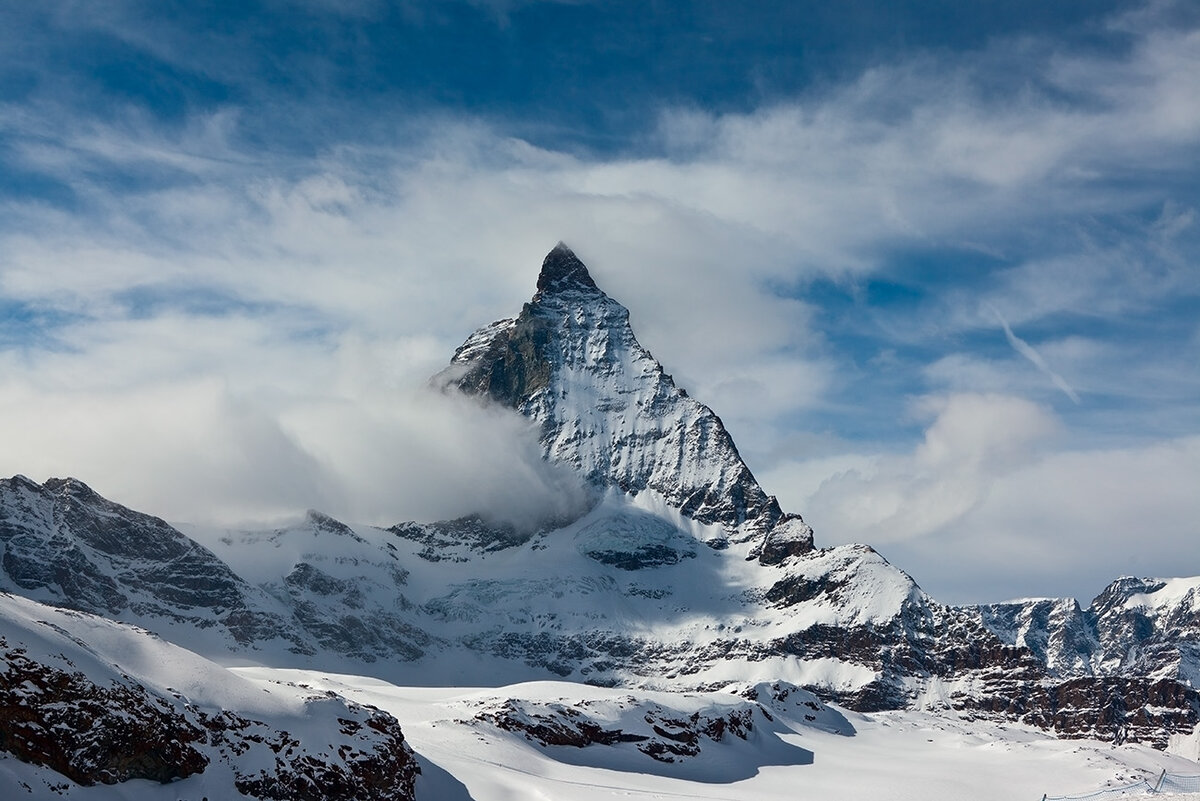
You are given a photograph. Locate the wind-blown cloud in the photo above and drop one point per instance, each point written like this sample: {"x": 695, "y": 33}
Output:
{"x": 972, "y": 440}
{"x": 196, "y": 452}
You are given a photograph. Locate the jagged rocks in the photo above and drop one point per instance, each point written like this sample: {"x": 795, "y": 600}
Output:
{"x": 1055, "y": 630}
{"x": 91, "y": 734}
{"x": 791, "y": 536}
{"x": 461, "y": 538}
{"x": 662, "y": 733}
{"x": 376, "y": 765}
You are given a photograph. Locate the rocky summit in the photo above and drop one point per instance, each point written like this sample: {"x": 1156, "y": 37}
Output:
{"x": 571, "y": 363}
{"x": 681, "y": 574}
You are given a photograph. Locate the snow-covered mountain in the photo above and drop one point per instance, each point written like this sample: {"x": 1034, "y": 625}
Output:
{"x": 570, "y": 362}
{"x": 1135, "y": 627}
{"x": 64, "y": 544}
{"x": 682, "y": 574}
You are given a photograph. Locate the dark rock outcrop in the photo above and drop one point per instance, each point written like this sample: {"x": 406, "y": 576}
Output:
{"x": 64, "y": 707}
{"x": 89, "y": 733}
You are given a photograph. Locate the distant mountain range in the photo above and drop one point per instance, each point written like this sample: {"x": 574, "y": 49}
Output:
{"x": 679, "y": 572}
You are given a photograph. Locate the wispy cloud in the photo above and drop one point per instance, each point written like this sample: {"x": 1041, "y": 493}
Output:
{"x": 1029, "y": 352}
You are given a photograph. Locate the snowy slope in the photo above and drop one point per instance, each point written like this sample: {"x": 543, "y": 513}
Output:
{"x": 907, "y": 756}
{"x": 550, "y": 740}
{"x": 627, "y": 594}
{"x": 87, "y": 702}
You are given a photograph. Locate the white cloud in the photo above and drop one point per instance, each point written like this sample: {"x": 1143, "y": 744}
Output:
{"x": 992, "y": 504}
{"x": 141, "y": 412}
{"x": 972, "y": 440}
{"x": 1068, "y": 524}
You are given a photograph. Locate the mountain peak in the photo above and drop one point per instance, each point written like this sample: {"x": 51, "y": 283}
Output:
{"x": 562, "y": 269}
{"x": 70, "y": 486}
{"x": 570, "y": 362}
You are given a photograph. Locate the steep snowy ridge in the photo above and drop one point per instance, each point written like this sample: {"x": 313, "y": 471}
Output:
{"x": 571, "y": 363}
{"x": 1136, "y": 626}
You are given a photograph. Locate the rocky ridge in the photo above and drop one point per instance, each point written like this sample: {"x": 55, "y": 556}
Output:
{"x": 64, "y": 544}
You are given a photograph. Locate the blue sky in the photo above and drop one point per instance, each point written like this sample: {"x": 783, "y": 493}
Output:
{"x": 935, "y": 264}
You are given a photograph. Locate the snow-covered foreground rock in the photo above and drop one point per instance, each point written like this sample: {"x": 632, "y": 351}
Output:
{"x": 87, "y": 704}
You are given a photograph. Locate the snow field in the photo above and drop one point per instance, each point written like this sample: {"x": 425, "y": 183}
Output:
{"x": 900, "y": 756}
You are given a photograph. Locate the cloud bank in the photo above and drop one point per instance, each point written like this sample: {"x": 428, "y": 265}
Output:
{"x": 995, "y": 503}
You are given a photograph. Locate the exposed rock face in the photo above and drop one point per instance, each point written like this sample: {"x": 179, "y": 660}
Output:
{"x": 1127, "y": 667}
{"x": 65, "y": 544}
{"x": 1056, "y": 630}
{"x": 1114, "y": 709}
{"x": 1149, "y": 627}
{"x": 89, "y": 733}
{"x": 570, "y": 362}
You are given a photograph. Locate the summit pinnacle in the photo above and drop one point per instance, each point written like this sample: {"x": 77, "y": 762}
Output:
{"x": 562, "y": 269}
